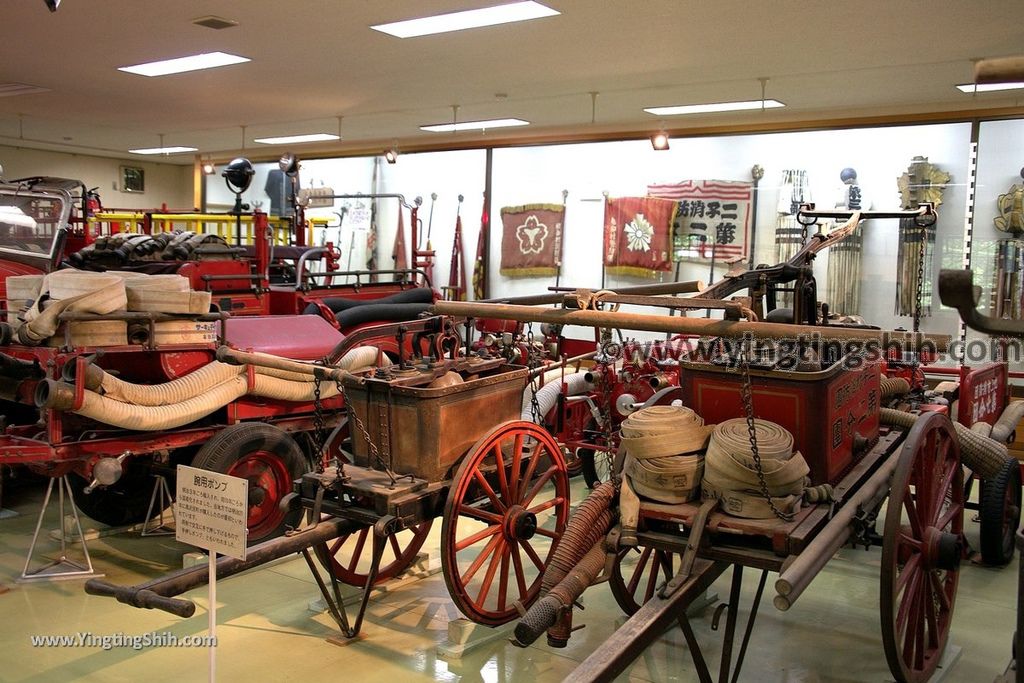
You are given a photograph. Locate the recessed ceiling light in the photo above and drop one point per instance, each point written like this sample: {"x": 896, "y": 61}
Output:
{"x": 717, "y": 106}
{"x": 294, "y": 139}
{"x": 988, "y": 87}
{"x": 473, "y": 125}
{"x": 214, "y": 22}
{"x": 162, "y": 150}
{"x": 474, "y": 18}
{"x": 207, "y": 60}
{"x": 12, "y": 89}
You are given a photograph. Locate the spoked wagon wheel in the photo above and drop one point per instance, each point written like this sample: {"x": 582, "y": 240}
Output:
{"x": 270, "y": 460}
{"x": 922, "y": 549}
{"x": 348, "y": 557}
{"x": 506, "y": 508}
{"x": 637, "y": 574}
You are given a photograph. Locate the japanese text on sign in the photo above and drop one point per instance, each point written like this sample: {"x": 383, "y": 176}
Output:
{"x": 211, "y": 511}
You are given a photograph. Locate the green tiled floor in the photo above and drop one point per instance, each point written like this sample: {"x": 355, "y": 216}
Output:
{"x": 267, "y": 633}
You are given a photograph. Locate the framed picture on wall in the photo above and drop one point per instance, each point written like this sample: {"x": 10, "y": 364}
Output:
{"x": 133, "y": 179}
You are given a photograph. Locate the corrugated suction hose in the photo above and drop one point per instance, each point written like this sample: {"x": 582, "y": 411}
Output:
{"x": 894, "y": 386}
{"x": 545, "y": 612}
{"x": 983, "y": 455}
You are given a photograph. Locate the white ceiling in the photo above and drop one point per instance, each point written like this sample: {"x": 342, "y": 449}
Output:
{"x": 315, "y": 60}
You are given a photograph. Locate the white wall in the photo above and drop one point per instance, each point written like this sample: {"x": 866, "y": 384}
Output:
{"x": 169, "y": 184}
{"x": 446, "y": 174}
{"x": 880, "y": 155}
{"x": 1000, "y": 158}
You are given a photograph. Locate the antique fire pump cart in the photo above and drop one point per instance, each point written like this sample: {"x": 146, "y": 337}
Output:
{"x": 435, "y": 435}
{"x": 869, "y": 453}
{"x": 107, "y": 467}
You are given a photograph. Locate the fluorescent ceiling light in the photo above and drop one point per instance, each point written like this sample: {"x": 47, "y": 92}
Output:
{"x": 12, "y": 89}
{"x": 474, "y": 18}
{"x": 163, "y": 150}
{"x": 473, "y": 125}
{"x": 988, "y": 87}
{"x": 718, "y": 106}
{"x": 207, "y": 60}
{"x": 294, "y": 139}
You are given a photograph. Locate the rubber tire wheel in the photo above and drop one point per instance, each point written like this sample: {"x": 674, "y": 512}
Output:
{"x": 998, "y": 523}
{"x": 231, "y": 444}
{"x": 121, "y": 504}
{"x": 588, "y": 462}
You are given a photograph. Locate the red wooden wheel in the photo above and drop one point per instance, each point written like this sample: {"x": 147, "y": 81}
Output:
{"x": 348, "y": 557}
{"x": 637, "y": 574}
{"x": 506, "y": 508}
{"x": 922, "y": 548}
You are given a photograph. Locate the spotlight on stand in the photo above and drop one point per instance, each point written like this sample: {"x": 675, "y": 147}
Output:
{"x": 238, "y": 176}
{"x": 659, "y": 140}
{"x": 391, "y": 155}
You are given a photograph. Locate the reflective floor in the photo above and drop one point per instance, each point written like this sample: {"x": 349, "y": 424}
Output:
{"x": 267, "y": 633}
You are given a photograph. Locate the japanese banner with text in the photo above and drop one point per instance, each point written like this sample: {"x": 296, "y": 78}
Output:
{"x": 709, "y": 213}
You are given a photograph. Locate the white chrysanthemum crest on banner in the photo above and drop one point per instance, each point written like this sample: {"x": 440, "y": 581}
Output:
{"x": 638, "y": 233}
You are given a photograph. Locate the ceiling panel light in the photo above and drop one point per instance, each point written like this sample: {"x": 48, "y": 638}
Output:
{"x": 474, "y": 125}
{"x": 163, "y": 150}
{"x": 717, "y": 106}
{"x": 207, "y": 60}
{"x": 988, "y": 87}
{"x": 12, "y": 89}
{"x": 296, "y": 139}
{"x": 474, "y": 18}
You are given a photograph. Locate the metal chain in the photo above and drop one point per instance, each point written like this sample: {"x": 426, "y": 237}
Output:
{"x": 747, "y": 395}
{"x": 532, "y": 361}
{"x": 919, "y": 294}
{"x": 374, "y": 453}
{"x": 319, "y": 435}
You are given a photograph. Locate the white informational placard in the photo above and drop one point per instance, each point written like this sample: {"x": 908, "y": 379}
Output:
{"x": 211, "y": 511}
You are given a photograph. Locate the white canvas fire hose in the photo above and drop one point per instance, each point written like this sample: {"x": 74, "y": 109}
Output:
{"x": 664, "y": 460}
{"x": 208, "y": 396}
{"x": 730, "y": 473}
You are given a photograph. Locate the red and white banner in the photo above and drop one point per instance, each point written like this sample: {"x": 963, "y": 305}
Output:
{"x": 709, "y": 214}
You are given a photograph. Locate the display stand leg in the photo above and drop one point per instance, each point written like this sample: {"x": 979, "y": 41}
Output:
{"x": 4, "y": 514}
{"x": 162, "y": 501}
{"x": 212, "y": 612}
{"x": 61, "y": 568}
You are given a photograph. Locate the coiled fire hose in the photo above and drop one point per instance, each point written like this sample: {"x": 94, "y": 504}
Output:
{"x": 1008, "y": 421}
{"x": 730, "y": 473}
{"x": 186, "y": 399}
{"x": 985, "y": 456}
{"x": 664, "y": 460}
{"x": 70, "y": 290}
{"x": 573, "y": 565}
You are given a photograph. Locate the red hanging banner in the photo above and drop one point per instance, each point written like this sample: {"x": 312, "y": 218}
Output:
{"x": 457, "y": 271}
{"x": 398, "y": 252}
{"x": 637, "y": 235}
{"x": 531, "y": 240}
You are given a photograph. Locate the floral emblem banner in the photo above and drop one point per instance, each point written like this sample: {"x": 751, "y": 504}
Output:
{"x": 637, "y": 235}
{"x": 531, "y": 240}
